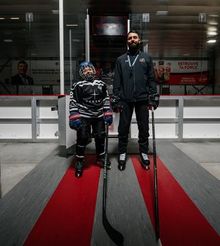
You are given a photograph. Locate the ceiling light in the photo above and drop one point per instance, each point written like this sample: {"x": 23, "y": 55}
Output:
{"x": 8, "y": 40}
{"x": 162, "y": 12}
{"x": 211, "y": 41}
{"x": 211, "y": 33}
{"x": 214, "y": 23}
{"x": 72, "y": 25}
{"x": 14, "y": 18}
{"x": 75, "y": 40}
{"x": 212, "y": 29}
{"x": 55, "y": 11}
{"x": 214, "y": 15}
{"x": 2, "y": 18}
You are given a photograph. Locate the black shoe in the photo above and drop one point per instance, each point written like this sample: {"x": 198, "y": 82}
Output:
{"x": 101, "y": 161}
{"x": 122, "y": 161}
{"x": 145, "y": 162}
{"x": 79, "y": 169}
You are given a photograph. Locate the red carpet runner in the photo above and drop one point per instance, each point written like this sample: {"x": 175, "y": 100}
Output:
{"x": 181, "y": 223}
{"x": 69, "y": 214}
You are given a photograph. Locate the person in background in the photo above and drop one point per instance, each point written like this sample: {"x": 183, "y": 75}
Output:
{"x": 134, "y": 87}
{"x": 21, "y": 78}
{"x": 89, "y": 107}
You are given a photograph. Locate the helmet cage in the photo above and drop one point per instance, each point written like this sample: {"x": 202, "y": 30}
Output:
{"x": 88, "y": 77}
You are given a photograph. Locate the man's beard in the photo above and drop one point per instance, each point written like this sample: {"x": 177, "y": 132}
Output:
{"x": 134, "y": 47}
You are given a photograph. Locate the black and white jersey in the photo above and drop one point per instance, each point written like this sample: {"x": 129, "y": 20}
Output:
{"x": 89, "y": 99}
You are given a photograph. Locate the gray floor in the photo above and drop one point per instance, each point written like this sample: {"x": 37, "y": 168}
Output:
{"x": 30, "y": 173}
{"x": 206, "y": 154}
{"x": 18, "y": 159}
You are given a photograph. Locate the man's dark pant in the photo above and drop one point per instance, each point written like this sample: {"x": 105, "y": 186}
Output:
{"x": 142, "y": 117}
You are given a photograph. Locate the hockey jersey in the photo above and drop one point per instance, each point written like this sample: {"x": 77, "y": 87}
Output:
{"x": 89, "y": 99}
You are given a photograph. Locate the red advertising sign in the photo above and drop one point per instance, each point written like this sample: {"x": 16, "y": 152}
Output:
{"x": 182, "y": 71}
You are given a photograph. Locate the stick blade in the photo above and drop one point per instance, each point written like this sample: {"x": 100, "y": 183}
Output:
{"x": 115, "y": 235}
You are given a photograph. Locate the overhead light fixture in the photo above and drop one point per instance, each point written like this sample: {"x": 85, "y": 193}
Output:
{"x": 211, "y": 33}
{"x": 214, "y": 15}
{"x": 211, "y": 41}
{"x": 75, "y": 40}
{"x": 14, "y": 18}
{"x": 212, "y": 29}
{"x": 72, "y": 25}
{"x": 8, "y": 40}
{"x": 214, "y": 23}
{"x": 55, "y": 11}
{"x": 2, "y": 18}
{"x": 162, "y": 12}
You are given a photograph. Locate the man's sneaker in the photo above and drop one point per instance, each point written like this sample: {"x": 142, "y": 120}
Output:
{"x": 101, "y": 161}
{"x": 79, "y": 168}
{"x": 122, "y": 161}
{"x": 145, "y": 162}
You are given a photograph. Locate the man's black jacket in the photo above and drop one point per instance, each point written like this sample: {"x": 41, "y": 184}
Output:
{"x": 137, "y": 82}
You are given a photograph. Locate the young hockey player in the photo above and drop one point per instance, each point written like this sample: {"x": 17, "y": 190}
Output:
{"x": 89, "y": 107}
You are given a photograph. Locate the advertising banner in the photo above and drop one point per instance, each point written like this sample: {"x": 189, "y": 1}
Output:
{"x": 181, "y": 71}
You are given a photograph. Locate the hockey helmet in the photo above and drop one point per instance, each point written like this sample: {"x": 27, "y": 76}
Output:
{"x": 89, "y": 76}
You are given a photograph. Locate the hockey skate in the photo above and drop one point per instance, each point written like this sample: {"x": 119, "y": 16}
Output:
{"x": 145, "y": 162}
{"x": 79, "y": 168}
{"x": 122, "y": 161}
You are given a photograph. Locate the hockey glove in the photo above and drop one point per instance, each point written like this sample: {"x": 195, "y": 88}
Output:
{"x": 153, "y": 101}
{"x": 108, "y": 117}
{"x": 74, "y": 121}
{"x": 116, "y": 104}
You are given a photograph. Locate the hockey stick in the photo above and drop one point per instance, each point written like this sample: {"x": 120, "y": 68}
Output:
{"x": 156, "y": 206}
{"x": 115, "y": 235}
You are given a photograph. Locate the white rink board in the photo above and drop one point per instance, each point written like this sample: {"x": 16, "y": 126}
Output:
{"x": 15, "y": 131}
{"x": 200, "y": 130}
{"x": 161, "y": 130}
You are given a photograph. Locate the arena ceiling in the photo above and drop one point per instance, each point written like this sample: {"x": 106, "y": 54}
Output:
{"x": 170, "y": 28}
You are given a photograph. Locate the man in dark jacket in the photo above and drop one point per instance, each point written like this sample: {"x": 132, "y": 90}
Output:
{"x": 134, "y": 86}
{"x": 21, "y": 78}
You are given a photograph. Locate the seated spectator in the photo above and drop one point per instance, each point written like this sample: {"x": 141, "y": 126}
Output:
{"x": 21, "y": 78}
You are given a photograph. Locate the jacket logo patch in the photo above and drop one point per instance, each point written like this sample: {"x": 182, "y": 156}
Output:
{"x": 142, "y": 60}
